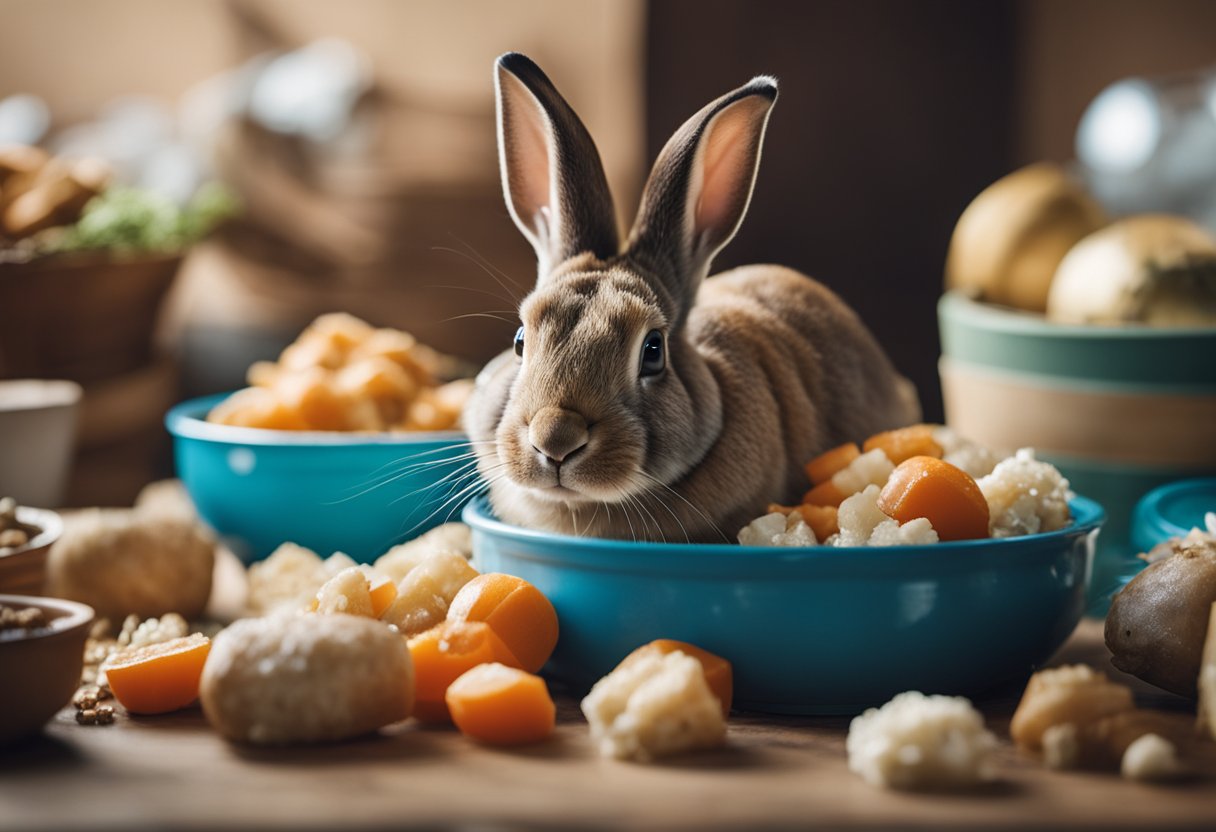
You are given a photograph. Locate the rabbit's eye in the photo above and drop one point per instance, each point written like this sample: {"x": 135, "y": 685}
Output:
{"x": 519, "y": 341}
{"x": 654, "y": 359}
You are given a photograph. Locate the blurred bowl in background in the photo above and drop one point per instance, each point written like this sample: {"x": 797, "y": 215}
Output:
{"x": 23, "y": 570}
{"x": 1171, "y": 511}
{"x": 356, "y": 493}
{"x": 82, "y": 316}
{"x": 809, "y": 630}
{"x": 40, "y": 668}
{"x": 1119, "y": 409}
{"x": 37, "y": 437}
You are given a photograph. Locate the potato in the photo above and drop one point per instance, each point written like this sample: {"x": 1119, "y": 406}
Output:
{"x": 306, "y": 678}
{"x": 1156, "y": 626}
{"x": 123, "y": 562}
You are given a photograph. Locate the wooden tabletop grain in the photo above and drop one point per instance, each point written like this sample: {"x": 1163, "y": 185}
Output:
{"x": 172, "y": 772}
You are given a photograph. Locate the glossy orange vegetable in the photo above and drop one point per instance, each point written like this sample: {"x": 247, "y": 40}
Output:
{"x": 501, "y": 705}
{"x": 821, "y": 468}
{"x": 516, "y": 610}
{"x": 718, "y": 672}
{"x": 825, "y": 494}
{"x": 441, "y": 654}
{"x": 947, "y": 496}
{"x": 904, "y": 443}
{"x": 160, "y": 677}
{"x": 383, "y": 592}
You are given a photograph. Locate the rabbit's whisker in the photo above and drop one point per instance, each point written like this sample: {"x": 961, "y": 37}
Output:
{"x": 389, "y": 479}
{"x": 489, "y": 315}
{"x": 688, "y": 503}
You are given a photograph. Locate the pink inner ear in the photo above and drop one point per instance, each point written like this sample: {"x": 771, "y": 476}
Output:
{"x": 527, "y": 136}
{"x": 728, "y": 165}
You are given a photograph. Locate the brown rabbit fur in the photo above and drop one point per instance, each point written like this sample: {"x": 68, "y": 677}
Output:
{"x": 644, "y": 401}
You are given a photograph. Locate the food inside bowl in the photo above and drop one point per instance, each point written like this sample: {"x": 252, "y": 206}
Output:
{"x": 342, "y": 374}
{"x": 13, "y": 533}
{"x": 18, "y": 622}
{"x": 1036, "y": 241}
{"x": 917, "y": 485}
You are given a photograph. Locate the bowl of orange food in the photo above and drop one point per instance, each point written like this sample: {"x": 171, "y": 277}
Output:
{"x": 349, "y": 442}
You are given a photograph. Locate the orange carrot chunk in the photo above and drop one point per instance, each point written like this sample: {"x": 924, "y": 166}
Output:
{"x": 825, "y": 494}
{"x": 515, "y": 610}
{"x": 821, "y": 468}
{"x": 501, "y": 705}
{"x": 947, "y": 496}
{"x": 718, "y": 672}
{"x": 160, "y": 677}
{"x": 441, "y": 654}
{"x": 904, "y": 443}
{"x": 383, "y": 593}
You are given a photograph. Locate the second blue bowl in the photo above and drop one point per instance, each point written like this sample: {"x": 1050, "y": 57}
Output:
{"x": 355, "y": 493}
{"x": 815, "y": 630}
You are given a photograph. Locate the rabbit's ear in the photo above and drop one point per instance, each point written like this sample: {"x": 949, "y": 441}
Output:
{"x": 551, "y": 172}
{"x": 701, "y": 184}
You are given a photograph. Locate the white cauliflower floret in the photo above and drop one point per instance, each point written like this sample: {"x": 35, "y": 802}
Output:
{"x": 1151, "y": 758}
{"x": 862, "y": 523}
{"x": 778, "y": 529}
{"x": 1025, "y": 496}
{"x": 397, "y": 562}
{"x": 871, "y": 468}
{"x": 916, "y": 532}
{"x": 1062, "y": 746}
{"x": 426, "y": 592}
{"x": 977, "y": 460}
{"x": 918, "y": 741}
{"x": 291, "y": 577}
{"x": 349, "y": 591}
{"x": 654, "y": 706}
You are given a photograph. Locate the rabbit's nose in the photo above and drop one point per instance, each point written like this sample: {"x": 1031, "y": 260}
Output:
{"x": 556, "y": 433}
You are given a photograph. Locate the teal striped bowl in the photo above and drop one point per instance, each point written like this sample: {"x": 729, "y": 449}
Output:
{"x": 1120, "y": 410}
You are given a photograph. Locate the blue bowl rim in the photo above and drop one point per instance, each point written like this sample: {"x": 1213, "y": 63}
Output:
{"x": 1148, "y": 509}
{"x": 1088, "y": 517}
{"x": 187, "y": 420}
{"x": 1021, "y": 322}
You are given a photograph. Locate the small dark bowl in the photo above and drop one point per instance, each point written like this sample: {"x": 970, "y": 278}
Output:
{"x": 23, "y": 570}
{"x": 40, "y": 669}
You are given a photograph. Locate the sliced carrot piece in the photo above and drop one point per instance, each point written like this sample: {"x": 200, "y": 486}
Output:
{"x": 821, "y": 468}
{"x": 718, "y": 672}
{"x": 160, "y": 677}
{"x": 441, "y": 654}
{"x": 516, "y": 610}
{"x": 501, "y": 705}
{"x": 948, "y": 497}
{"x": 904, "y": 443}
{"x": 825, "y": 494}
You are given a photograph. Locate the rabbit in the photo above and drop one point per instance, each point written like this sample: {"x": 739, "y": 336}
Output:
{"x": 642, "y": 400}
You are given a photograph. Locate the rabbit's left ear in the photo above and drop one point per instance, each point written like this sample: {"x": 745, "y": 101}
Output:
{"x": 701, "y": 185}
{"x": 552, "y": 176}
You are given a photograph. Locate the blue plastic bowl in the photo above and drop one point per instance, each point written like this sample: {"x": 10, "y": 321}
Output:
{"x": 354, "y": 493}
{"x": 1172, "y": 511}
{"x": 809, "y": 630}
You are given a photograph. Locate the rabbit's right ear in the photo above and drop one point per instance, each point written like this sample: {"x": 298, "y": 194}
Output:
{"x": 700, "y": 187}
{"x": 552, "y": 177}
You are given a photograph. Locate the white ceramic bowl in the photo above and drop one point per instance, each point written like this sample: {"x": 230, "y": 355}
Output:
{"x": 37, "y": 438}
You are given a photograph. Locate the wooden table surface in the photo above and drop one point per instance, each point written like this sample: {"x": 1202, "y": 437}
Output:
{"x": 173, "y": 772}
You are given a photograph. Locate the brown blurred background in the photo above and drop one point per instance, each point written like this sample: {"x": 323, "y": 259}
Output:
{"x": 893, "y": 115}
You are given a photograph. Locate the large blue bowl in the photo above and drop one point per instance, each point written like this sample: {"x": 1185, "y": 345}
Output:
{"x": 809, "y": 630}
{"x": 354, "y": 493}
